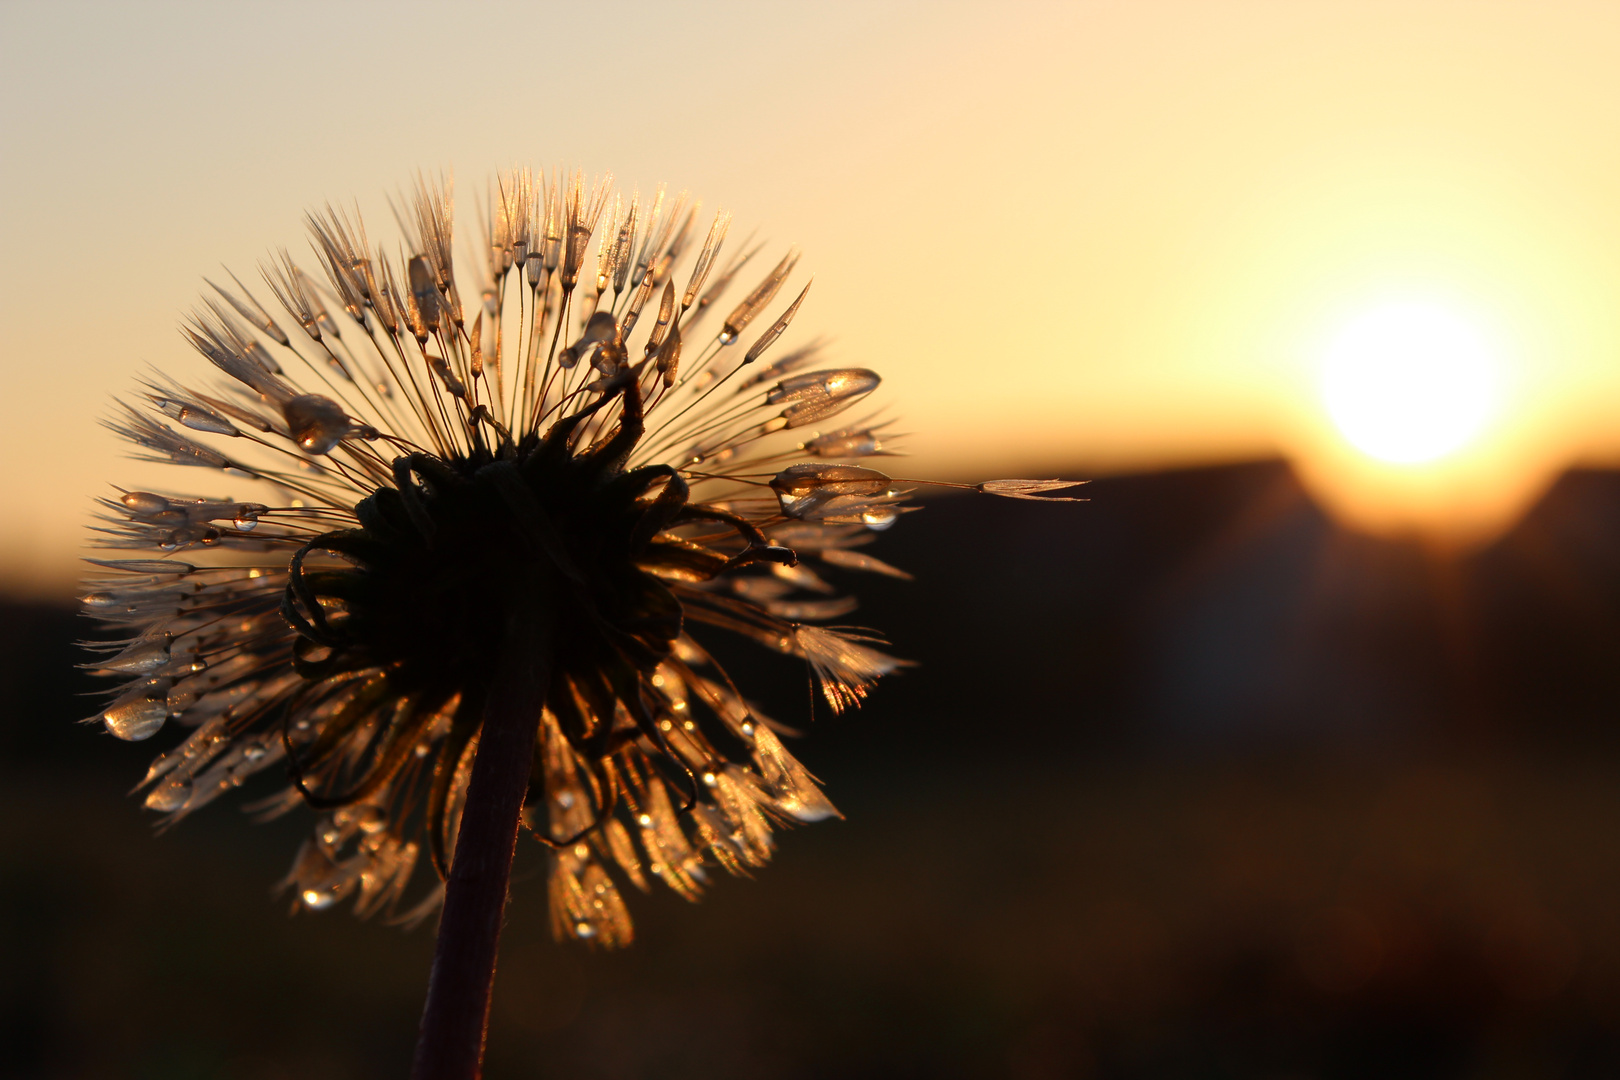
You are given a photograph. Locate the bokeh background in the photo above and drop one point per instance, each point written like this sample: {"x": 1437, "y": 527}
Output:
{"x": 1269, "y": 760}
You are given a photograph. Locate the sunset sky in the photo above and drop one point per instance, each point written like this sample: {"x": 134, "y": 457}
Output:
{"x": 1089, "y": 236}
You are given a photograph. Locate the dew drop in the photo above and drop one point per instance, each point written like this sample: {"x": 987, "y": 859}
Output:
{"x": 372, "y": 819}
{"x": 709, "y": 779}
{"x": 316, "y": 423}
{"x": 141, "y": 657}
{"x": 584, "y": 930}
{"x": 202, "y": 420}
{"x": 316, "y": 899}
{"x": 144, "y": 502}
{"x": 138, "y": 719}
{"x": 169, "y": 795}
{"x": 880, "y": 517}
{"x": 565, "y": 799}
{"x": 645, "y": 820}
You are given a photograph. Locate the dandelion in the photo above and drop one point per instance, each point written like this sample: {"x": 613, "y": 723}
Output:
{"x": 495, "y": 517}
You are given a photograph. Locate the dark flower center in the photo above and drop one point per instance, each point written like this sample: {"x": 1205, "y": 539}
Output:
{"x": 442, "y": 564}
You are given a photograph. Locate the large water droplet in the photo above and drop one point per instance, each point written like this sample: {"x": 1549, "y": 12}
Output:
{"x": 137, "y": 719}
{"x": 316, "y": 423}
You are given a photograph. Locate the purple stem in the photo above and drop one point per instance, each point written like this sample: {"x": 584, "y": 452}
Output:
{"x": 450, "y": 1043}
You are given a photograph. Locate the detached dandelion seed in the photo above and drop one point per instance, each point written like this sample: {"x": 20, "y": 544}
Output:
{"x": 490, "y": 532}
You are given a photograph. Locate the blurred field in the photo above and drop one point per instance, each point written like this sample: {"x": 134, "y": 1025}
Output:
{"x": 1187, "y": 783}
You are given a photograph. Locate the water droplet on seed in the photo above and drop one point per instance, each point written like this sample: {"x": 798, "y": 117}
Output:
{"x": 880, "y": 517}
{"x": 169, "y": 795}
{"x": 138, "y": 719}
{"x": 144, "y": 502}
{"x": 372, "y": 819}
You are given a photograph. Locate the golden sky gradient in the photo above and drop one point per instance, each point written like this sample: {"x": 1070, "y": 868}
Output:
{"x": 1098, "y": 235}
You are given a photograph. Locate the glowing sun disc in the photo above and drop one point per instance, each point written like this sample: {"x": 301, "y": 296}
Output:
{"x": 1410, "y": 382}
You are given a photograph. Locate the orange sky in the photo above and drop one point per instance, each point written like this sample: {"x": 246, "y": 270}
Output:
{"x": 1112, "y": 234}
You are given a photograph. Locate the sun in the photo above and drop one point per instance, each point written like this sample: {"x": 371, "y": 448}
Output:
{"x": 1410, "y": 382}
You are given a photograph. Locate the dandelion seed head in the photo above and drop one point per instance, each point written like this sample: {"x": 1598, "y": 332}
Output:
{"x": 582, "y": 446}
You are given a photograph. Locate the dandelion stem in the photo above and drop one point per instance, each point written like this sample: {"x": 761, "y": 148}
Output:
{"x": 450, "y": 1044}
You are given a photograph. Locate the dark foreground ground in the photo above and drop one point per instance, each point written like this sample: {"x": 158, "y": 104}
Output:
{"x": 1187, "y": 783}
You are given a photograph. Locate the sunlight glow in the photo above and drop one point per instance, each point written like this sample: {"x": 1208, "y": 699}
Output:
{"x": 1410, "y": 382}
